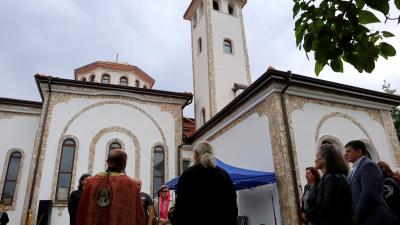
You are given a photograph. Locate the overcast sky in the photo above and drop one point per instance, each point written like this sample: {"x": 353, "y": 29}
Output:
{"x": 54, "y": 37}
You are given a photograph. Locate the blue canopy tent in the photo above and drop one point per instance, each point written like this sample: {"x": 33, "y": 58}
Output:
{"x": 242, "y": 178}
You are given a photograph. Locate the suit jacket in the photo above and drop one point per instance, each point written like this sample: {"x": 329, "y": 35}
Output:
{"x": 311, "y": 201}
{"x": 4, "y": 219}
{"x": 367, "y": 191}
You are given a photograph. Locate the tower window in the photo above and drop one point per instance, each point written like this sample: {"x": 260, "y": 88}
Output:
{"x": 199, "y": 46}
{"x": 92, "y": 78}
{"x": 215, "y": 5}
{"x": 105, "y": 79}
{"x": 194, "y": 20}
{"x": 203, "y": 116}
{"x": 231, "y": 10}
{"x": 123, "y": 81}
{"x": 145, "y": 87}
{"x": 201, "y": 10}
{"x": 137, "y": 83}
{"x": 228, "y": 46}
{"x": 84, "y": 79}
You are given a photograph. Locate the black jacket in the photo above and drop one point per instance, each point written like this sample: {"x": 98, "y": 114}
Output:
{"x": 4, "y": 219}
{"x": 334, "y": 201}
{"x": 391, "y": 193}
{"x": 205, "y": 196}
{"x": 311, "y": 199}
{"x": 73, "y": 205}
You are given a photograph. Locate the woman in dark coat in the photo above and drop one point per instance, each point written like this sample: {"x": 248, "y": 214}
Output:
{"x": 3, "y": 216}
{"x": 391, "y": 189}
{"x": 334, "y": 201}
{"x": 309, "y": 199}
{"x": 74, "y": 198}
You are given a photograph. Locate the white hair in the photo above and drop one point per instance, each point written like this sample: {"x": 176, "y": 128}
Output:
{"x": 206, "y": 156}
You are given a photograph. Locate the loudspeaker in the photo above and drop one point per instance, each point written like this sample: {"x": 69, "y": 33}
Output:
{"x": 44, "y": 212}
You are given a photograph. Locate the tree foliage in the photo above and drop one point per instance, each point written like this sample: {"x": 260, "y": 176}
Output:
{"x": 396, "y": 111}
{"x": 337, "y": 31}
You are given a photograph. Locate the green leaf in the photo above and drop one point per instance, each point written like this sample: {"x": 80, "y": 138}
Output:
{"x": 397, "y": 3}
{"x": 360, "y": 3}
{"x": 369, "y": 65}
{"x": 380, "y": 5}
{"x": 387, "y": 34}
{"x": 318, "y": 68}
{"x": 337, "y": 65}
{"x": 387, "y": 49}
{"x": 308, "y": 41}
{"x": 366, "y": 17}
{"x": 296, "y": 9}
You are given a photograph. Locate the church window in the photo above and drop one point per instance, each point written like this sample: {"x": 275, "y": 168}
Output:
{"x": 194, "y": 20}
{"x": 123, "y": 81}
{"x": 114, "y": 145}
{"x": 11, "y": 178}
{"x": 65, "y": 170}
{"x": 105, "y": 79}
{"x": 201, "y": 10}
{"x": 137, "y": 83}
{"x": 158, "y": 168}
{"x": 84, "y": 79}
{"x": 92, "y": 77}
{"x": 203, "y": 116}
{"x": 228, "y": 46}
{"x": 145, "y": 87}
{"x": 199, "y": 46}
{"x": 185, "y": 164}
{"x": 231, "y": 10}
{"x": 215, "y": 5}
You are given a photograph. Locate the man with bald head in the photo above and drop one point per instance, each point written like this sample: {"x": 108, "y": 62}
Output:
{"x": 111, "y": 197}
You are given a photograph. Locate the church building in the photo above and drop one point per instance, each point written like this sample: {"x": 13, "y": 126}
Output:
{"x": 273, "y": 124}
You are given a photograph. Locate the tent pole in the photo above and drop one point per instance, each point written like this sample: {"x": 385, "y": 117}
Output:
{"x": 273, "y": 205}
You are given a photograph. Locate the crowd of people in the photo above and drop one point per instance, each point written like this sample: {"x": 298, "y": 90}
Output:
{"x": 366, "y": 194}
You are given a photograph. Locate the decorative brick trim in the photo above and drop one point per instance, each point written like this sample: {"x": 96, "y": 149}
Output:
{"x": 335, "y": 141}
{"x": 388, "y": 125}
{"x": 57, "y": 168}
{"x": 245, "y": 51}
{"x": 210, "y": 55}
{"x": 3, "y": 176}
{"x": 116, "y": 129}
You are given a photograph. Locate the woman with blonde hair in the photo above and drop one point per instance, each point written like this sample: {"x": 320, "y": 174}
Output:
{"x": 199, "y": 187}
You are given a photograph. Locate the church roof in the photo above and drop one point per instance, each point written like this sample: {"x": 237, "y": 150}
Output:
{"x": 281, "y": 78}
{"x": 40, "y": 78}
{"x": 195, "y": 3}
{"x": 117, "y": 66}
{"x": 20, "y": 102}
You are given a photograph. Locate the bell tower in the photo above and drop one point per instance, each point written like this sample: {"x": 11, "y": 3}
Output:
{"x": 219, "y": 54}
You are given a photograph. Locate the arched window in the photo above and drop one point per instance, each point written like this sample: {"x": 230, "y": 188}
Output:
{"x": 114, "y": 145}
{"x": 137, "y": 83}
{"x": 194, "y": 20}
{"x": 92, "y": 78}
{"x": 199, "y": 46}
{"x": 158, "y": 168}
{"x": 10, "y": 182}
{"x": 105, "y": 79}
{"x": 123, "y": 81}
{"x": 203, "y": 116}
{"x": 231, "y": 10}
{"x": 84, "y": 79}
{"x": 65, "y": 170}
{"x": 215, "y": 5}
{"x": 201, "y": 10}
{"x": 228, "y": 46}
{"x": 145, "y": 87}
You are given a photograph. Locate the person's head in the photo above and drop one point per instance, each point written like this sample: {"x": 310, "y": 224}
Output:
{"x": 397, "y": 174}
{"x": 139, "y": 184}
{"x": 355, "y": 150}
{"x": 203, "y": 154}
{"x": 312, "y": 175}
{"x": 385, "y": 168}
{"x": 117, "y": 159}
{"x": 330, "y": 160}
{"x": 83, "y": 180}
{"x": 164, "y": 191}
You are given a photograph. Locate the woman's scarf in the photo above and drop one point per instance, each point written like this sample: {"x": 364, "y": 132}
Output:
{"x": 164, "y": 205}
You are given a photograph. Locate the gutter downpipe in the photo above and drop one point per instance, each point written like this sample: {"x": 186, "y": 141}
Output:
{"x": 179, "y": 149}
{"x": 29, "y": 212}
{"x": 289, "y": 145}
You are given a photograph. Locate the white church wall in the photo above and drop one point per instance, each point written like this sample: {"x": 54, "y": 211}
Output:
{"x": 19, "y": 132}
{"x": 342, "y": 124}
{"x": 121, "y": 114}
{"x": 247, "y": 145}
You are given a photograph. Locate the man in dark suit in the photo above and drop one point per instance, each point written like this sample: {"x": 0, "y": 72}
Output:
{"x": 366, "y": 181}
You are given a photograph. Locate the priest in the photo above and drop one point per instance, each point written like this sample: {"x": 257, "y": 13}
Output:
{"x": 111, "y": 198}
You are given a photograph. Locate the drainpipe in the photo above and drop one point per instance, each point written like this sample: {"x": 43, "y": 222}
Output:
{"x": 290, "y": 146}
{"x": 29, "y": 212}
